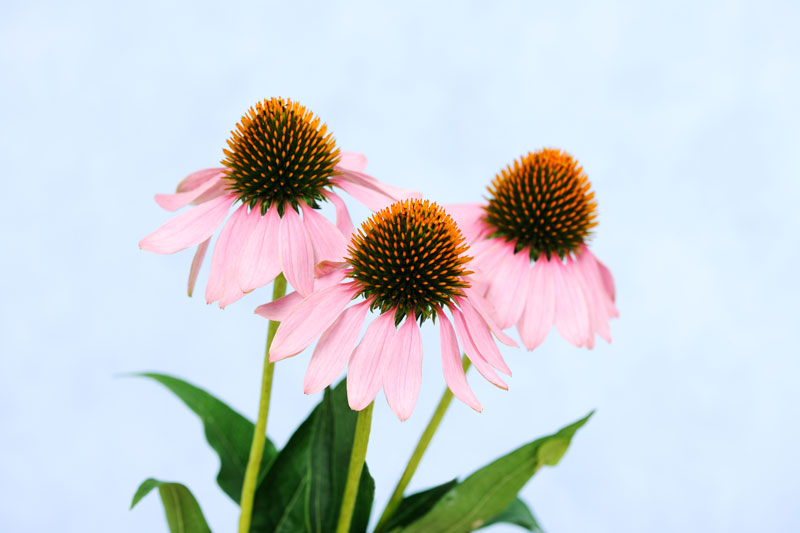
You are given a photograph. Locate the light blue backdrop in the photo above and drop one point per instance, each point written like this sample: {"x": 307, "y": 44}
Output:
{"x": 684, "y": 114}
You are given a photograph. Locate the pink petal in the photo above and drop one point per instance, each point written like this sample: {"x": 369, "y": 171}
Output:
{"x": 369, "y": 197}
{"x": 509, "y": 282}
{"x": 323, "y": 268}
{"x": 597, "y": 299}
{"x": 236, "y": 245}
{"x": 473, "y": 353}
{"x": 353, "y": 161}
{"x": 196, "y": 179}
{"x": 222, "y": 282}
{"x": 369, "y": 191}
{"x": 479, "y": 332}
{"x": 343, "y": 221}
{"x": 297, "y": 254}
{"x": 452, "y": 367}
{"x": 309, "y": 319}
{"x": 571, "y": 317}
{"x": 190, "y": 189}
{"x": 278, "y": 310}
{"x": 189, "y": 228}
{"x": 197, "y": 262}
{"x": 608, "y": 279}
{"x": 487, "y": 257}
{"x": 365, "y": 369}
{"x": 537, "y": 317}
{"x": 328, "y": 242}
{"x": 403, "y": 374}
{"x": 470, "y": 219}
{"x": 484, "y": 308}
{"x": 260, "y": 261}
{"x": 334, "y": 348}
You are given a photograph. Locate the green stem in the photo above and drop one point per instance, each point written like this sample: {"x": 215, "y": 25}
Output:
{"x": 260, "y": 433}
{"x": 419, "y": 451}
{"x": 357, "y": 457}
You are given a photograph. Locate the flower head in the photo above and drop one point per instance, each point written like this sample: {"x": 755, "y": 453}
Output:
{"x": 280, "y": 164}
{"x": 407, "y": 263}
{"x": 541, "y": 209}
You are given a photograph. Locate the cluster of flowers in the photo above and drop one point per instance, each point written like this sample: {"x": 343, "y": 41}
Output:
{"x": 519, "y": 259}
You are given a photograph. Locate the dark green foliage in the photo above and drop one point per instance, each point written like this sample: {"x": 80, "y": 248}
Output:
{"x": 229, "y": 433}
{"x": 182, "y": 510}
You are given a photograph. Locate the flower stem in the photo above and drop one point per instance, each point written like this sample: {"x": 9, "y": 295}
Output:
{"x": 419, "y": 451}
{"x": 357, "y": 457}
{"x": 260, "y": 433}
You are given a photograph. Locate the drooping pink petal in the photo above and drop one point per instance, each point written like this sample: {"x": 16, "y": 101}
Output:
{"x": 196, "y": 179}
{"x": 479, "y": 332}
{"x": 222, "y": 282}
{"x": 369, "y": 191}
{"x": 484, "y": 308}
{"x": 508, "y": 283}
{"x": 592, "y": 307}
{"x": 537, "y": 317}
{"x": 334, "y": 348}
{"x": 230, "y": 275}
{"x": 606, "y": 279}
{"x": 260, "y": 261}
{"x": 330, "y": 277}
{"x": 597, "y": 299}
{"x": 369, "y": 197}
{"x": 328, "y": 242}
{"x": 197, "y": 262}
{"x": 278, "y": 310}
{"x": 473, "y": 353}
{"x": 307, "y": 320}
{"x": 220, "y": 187}
{"x": 367, "y": 181}
{"x": 297, "y": 254}
{"x": 403, "y": 374}
{"x": 488, "y": 255}
{"x": 367, "y": 363}
{"x": 173, "y": 202}
{"x": 470, "y": 219}
{"x": 343, "y": 221}
{"x": 571, "y": 317}
{"x": 353, "y": 161}
{"x": 452, "y": 367}
{"x": 189, "y": 228}
{"x": 323, "y": 268}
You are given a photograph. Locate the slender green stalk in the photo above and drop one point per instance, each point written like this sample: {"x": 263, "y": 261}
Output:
{"x": 419, "y": 451}
{"x": 357, "y": 457}
{"x": 260, "y": 433}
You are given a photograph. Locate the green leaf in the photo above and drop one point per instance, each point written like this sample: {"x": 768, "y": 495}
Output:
{"x": 414, "y": 506}
{"x": 489, "y": 491}
{"x": 332, "y": 444}
{"x": 304, "y": 488}
{"x": 518, "y": 514}
{"x": 229, "y": 433}
{"x": 364, "y": 498}
{"x": 281, "y": 501}
{"x": 182, "y": 510}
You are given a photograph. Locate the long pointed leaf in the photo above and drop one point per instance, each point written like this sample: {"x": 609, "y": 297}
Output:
{"x": 182, "y": 510}
{"x": 491, "y": 490}
{"x": 227, "y": 432}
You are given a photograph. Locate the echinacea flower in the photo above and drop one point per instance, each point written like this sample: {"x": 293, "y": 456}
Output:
{"x": 541, "y": 210}
{"x": 407, "y": 263}
{"x": 280, "y": 163}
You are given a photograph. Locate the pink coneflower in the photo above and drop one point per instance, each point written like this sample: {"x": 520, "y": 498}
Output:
{"x": 540, "y": 210}
{"x": 281, "y": 163}
{"x": 407, "y": 263}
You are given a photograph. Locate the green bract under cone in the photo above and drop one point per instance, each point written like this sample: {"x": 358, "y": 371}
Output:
{"x": 279, "y": 154}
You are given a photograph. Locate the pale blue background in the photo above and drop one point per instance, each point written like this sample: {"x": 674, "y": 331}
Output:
{"x": 684, "y": 114}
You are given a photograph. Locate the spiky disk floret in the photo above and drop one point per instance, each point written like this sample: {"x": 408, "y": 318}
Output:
{"x": 542, "y": 201}
{"x": 279, "y": 153}
{"x": 409, "y": 257}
